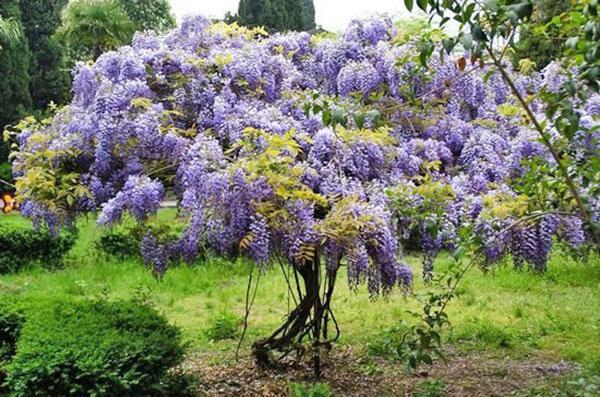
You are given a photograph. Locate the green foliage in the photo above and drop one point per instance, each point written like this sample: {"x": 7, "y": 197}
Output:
{"x": 582, "y": 24}
{"x": 314, "y": 390}
{"x": 120, "y": 243}
{"x": 98, "y": 348}
{"x": 90, "y": 27}
{"x": 23, "y": 247}
{"x": 11, "y": 322}
{"x": 277, "y": 15}
{"x": 225, "y": 326}
{"x": 149, "y": 14}
{"x": 49, "y": 69}
{"x": 308, "y": 15}
{"x": 411, "y": 28}
{"x": 535, "y": 45}
{"x": 10, "y": 32}
{"x": 15, "y": 100}
{"x": 431, "y": 388}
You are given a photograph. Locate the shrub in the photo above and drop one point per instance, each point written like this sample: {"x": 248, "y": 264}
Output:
{"x": 22, "y": 247}
{"x": 96, "y": 348}
{"x": 120, "y": 243}
{"x": 11, "y": 321}
{"x": 224, "y": 327}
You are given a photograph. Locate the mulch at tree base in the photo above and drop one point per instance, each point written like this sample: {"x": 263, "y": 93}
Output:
{"x": 472, "y": 374}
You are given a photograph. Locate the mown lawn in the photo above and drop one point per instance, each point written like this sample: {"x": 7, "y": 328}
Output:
{"x": 505, "y": 312}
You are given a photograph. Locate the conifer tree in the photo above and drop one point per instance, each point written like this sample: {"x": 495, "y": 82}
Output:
{"x": 278, "y": 15}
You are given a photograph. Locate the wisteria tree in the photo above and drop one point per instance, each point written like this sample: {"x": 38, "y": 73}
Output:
{"x": 312, "y": 154}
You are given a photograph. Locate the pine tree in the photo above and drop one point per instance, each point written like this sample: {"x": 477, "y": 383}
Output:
{"x": 308, "y": 15}
{"x": 277, "y": 15}
{"x": 295, "y": 18}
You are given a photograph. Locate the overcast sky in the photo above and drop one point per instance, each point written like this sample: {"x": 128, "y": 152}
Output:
{"x": 331, "y": 14}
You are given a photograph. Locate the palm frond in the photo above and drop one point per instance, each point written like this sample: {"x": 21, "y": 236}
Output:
{"x": 10, "y": 32}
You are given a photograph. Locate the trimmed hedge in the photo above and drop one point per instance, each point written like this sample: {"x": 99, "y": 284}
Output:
{"x": 97, "y": 349}
{"x": 21, "y": 247}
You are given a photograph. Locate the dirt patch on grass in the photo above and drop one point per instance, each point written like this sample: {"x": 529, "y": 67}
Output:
{"x": 472, "y": 374}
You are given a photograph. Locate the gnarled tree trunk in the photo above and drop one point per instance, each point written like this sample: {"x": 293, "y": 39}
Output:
{"x": 309, "y": 319}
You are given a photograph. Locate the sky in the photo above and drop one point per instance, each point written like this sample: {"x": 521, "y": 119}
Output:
{"x": 332, "y": 15}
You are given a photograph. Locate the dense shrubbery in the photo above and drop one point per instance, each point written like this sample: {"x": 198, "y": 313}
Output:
{"x": 21, "y": 247}
{"x": 96, "y": 348}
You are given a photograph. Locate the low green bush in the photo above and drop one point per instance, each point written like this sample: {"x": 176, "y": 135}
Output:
{"x": 97, "y": 348}
{"x": 11, "y": 322}
{"x": 120, "y": 243}
{"x": 225, "y": 326}
{"x": 22, "y": 247}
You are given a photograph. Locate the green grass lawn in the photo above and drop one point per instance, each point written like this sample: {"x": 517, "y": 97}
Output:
{"x": 555, "y": 315}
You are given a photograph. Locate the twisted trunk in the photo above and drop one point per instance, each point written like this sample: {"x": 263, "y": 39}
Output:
{"x": 308, "y": 319}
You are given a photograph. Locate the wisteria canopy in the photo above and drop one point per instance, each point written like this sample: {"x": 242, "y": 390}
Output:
{"x": 293, "y": 147}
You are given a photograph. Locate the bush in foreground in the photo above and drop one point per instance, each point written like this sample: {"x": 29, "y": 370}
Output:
{"x": 97, "y": 349}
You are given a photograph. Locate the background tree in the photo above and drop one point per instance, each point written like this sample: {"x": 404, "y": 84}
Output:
{"x": 90, "y": 27}
{"x": 15, "y": 100}
{"x": 541, "y": 48}
{"x": 49, "y": 70}
{"x": 278, "y": 15}
{"x": 149, "y": 14}
{"x": 308, "y": 15}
